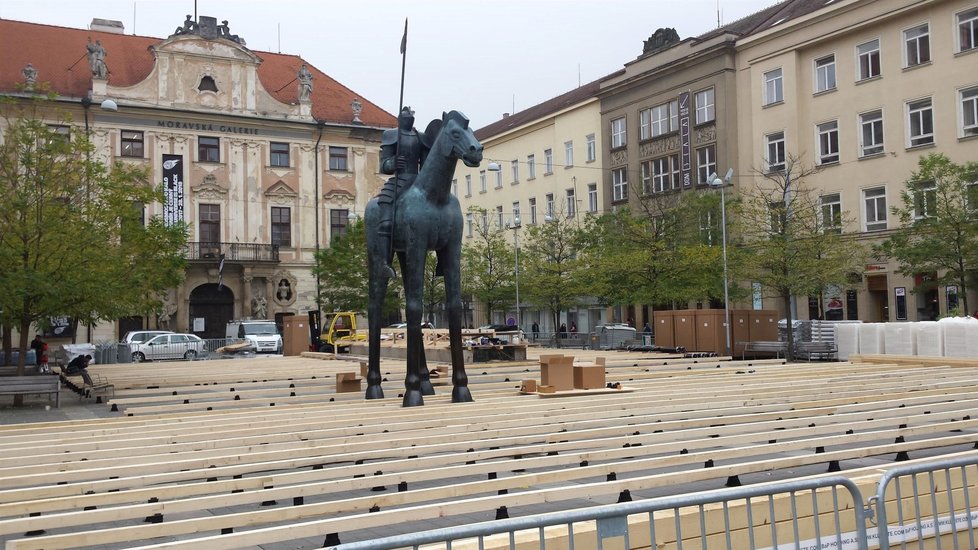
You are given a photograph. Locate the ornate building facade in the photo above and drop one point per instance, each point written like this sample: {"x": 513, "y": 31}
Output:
{"x": 263, "y": 155}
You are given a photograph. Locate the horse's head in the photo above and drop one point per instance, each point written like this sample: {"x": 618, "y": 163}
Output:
{"x": 455, "y": 127}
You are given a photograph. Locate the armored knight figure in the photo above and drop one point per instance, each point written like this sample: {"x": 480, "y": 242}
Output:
{"x": 403, "y": 159}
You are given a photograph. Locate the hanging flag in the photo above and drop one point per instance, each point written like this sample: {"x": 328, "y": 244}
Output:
{"x": 220, "y": 274}
{"x": 404, "y": 38}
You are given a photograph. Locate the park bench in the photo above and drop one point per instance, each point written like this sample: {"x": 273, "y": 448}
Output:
{"x": 28, "y": 385}
{"x": 779, "y": 349}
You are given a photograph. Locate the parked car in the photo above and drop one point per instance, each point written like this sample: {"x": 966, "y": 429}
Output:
{"x": 139, "y": 336}
{"x": 261, "y": 334}
{"x": 167, "y": 346}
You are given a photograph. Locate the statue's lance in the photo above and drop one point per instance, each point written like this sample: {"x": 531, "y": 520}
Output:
{"x": 397, "y": 146}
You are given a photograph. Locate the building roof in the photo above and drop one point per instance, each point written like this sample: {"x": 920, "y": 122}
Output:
{"x": 540, "y": 110}
{"x": 59, "y": 56}
{"x": 768, "y": 17}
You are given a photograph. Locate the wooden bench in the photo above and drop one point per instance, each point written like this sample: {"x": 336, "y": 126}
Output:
{"x": 27, "y": 385}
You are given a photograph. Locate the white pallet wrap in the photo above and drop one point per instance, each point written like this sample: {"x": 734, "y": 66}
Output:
{"x": 899, "y": 339}
{"x": 960, "y": 334}
{"x": 871, "y": 338}
{"x": 847, "y": 340}
{"x": 930, "y": 339}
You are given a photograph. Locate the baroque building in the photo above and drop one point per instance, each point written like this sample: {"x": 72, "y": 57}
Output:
{"x": 262, "y": 154}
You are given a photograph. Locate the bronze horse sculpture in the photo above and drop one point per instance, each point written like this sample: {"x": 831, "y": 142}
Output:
{"x": 427, "y": 216}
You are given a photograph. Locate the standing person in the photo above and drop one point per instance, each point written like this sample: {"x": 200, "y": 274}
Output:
{"x": 38, "y": 346}
{"x": 536, "y": 331}
{"x": 573, "y": 329}
{"x": 648, "y": 329}
{"x": 563, "y": 330}
{"x": 44, "y": 368}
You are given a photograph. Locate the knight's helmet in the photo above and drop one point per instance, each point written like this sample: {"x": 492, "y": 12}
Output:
{"x": 406, "y": 118}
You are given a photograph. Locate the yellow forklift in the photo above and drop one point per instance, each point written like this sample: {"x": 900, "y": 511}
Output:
{"x": 334, "y": 331}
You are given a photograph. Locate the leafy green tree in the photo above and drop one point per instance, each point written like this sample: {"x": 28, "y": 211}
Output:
{"x": 552, "y": 266}
{"x": 665, "y": 249}
{"x": 488, "y": 266}
{"x": 73, "y": 240}
{"x": 938, "y": 216}
{"x": 343, "y": 276}
{"x": 434, "y": 287}
{"x": 790, "y": 248}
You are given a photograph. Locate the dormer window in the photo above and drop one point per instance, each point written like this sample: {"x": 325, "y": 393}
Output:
{"x": 207, "y": 84}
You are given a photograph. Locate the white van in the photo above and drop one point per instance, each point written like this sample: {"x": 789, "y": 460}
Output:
{"x": 263, "y": 335}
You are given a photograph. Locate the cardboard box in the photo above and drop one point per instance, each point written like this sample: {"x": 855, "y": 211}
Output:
{"x": 589, "y": 377}
{"x": 528, "y": 386}
{"x": 557, "y": 372}
{"x": 363, "y": 369}
{"x": 347, "y": 382}
{"x": 546, "y": 389}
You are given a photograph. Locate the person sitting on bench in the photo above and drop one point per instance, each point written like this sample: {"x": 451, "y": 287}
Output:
{"x": 77, "y": 367}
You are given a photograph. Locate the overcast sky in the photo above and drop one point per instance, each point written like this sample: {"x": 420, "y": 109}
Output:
{"x": 484, "y": 58}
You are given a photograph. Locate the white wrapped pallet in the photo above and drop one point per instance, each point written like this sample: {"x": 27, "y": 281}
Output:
{"x": 930, "y": 339}
{"x": 871, "y": 338}
{"x": 959, "y": 336}
{"x": 847, "y": 340}
{"x": 898, "y": 339}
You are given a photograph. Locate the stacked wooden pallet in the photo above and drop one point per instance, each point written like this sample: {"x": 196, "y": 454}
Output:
{"x": 246, "y": 473}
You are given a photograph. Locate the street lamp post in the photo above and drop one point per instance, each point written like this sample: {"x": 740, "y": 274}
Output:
{"x": 722, "y": 183}
{"x": 515, "y": 226}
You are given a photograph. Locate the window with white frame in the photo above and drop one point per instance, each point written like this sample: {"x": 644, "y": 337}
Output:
{"x": 676, "y": 171}
{"x": 455, "y": 186}
{"x": 550, "y": 205}
{"x": 482, "y": 181}
{"x": 674, "y": 115}
{"x": 618, "y": 133}
{"x": 875, "y": 201}
{"x": 773, "y": 86}
{"x": 485, "y": 220}
{"x": 775, "y": 151}
{"x": 705, "y": 106}
{"x": 646, "y": 175}
{"x": 924, "y": 200}
{"x": 661, "y": 175}
{"x": 499, "y": 217}
{"x": 662, "y": 119}
{"x": 831, "y": 213}
{"x": 469, "y": 230}
{"x": 468, "y": 185}
{"x": 499, "y": 179}
{"x": 516, "y": 212}
{"x": 828, "y": 142}
{"x": 592, "y": 197}
{"x": 568, "y": 154}
{"x": 825, "y": 73}
{"x": 533, "y": 210}
{"x": 592, "y": 149}
{"x": 515, "y": 165}
{"x": 619, "y": 184}
{"x": 917, "y": 45}
{"x": 920, "y": 122}
{"x": 871, "y": 133}
{"x": 968, "y": 30}
{"x": 645, "y": 124}
{"x": 571, "y": 203}
{"x": 548, "y": 161}
{"x": 868, "y": 59}
{"x": 969, "y": 112}
{"x": 706, "y": 162}
{"x": 531, "y": 167}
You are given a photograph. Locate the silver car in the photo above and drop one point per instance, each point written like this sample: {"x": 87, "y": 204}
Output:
{"x": 168, "y": 346}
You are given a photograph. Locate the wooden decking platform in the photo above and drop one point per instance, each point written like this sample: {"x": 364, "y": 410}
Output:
{"x": 239, "y": 453}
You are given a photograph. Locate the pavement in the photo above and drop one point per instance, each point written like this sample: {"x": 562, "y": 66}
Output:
{"x": 41, "y": 408}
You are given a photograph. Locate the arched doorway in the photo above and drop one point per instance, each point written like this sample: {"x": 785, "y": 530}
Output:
{"x": 215, "y": 305}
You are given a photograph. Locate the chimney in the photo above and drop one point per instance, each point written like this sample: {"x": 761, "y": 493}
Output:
{"x": 107, "y": 25}
{"x": 505, "y": 115}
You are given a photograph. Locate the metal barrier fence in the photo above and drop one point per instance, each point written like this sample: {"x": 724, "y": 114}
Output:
{"x": 940, "y": 499}
{"x": 804, "y": 514}
{"x": 120, "y": 352}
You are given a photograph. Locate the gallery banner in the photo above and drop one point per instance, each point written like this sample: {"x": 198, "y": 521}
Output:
{"x": 172, "y": 189}
{"x": 686, "y": 153}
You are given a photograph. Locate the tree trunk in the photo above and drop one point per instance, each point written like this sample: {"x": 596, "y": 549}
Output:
{"x": 8, "y": 345}
{"x": 791, "y": 333}
{"x": 25, "y": 328}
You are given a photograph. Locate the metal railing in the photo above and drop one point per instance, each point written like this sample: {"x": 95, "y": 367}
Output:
{"x": 939, "y": 497}
{"x": 774, "y": 516}
{"x": 233, "y": 252}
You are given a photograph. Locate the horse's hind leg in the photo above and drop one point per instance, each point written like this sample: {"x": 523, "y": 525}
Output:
{"x": 450, "y": 259}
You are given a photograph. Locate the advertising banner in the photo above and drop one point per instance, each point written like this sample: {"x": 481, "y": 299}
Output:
{"x": 686, "y": 154}
{"x": 172, "y": 189}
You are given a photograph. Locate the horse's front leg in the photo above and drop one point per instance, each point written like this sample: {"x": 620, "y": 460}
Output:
{"x": 450, "y": 260}
{"x": 377, "y": 291}
{"x": 413, "y": 276}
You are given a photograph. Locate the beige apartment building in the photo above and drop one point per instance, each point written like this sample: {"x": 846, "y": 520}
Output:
{"x": 548, "y": 165}
{"x": 263, "y": 155}
{"x": 862, "y": 88}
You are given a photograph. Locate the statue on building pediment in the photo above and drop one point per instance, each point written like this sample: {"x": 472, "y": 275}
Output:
{"x": 305, "y": 83}
{"x": 285, "y": 288}
{"x": 357, "y": 109}
{"x": 189, "y": 27}
{"x": 259, "y": 307}
{"x": 208, "y": 29}
{"x": 30, "y": 76}
{"x": 661, "y": 38}
{"x": 96, "y": 59}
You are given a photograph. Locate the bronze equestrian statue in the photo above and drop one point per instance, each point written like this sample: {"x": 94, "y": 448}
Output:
{"x": 425, "y": 216}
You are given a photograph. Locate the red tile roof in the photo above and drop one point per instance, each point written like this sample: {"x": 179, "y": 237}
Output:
{"x": 59, "y": 55}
